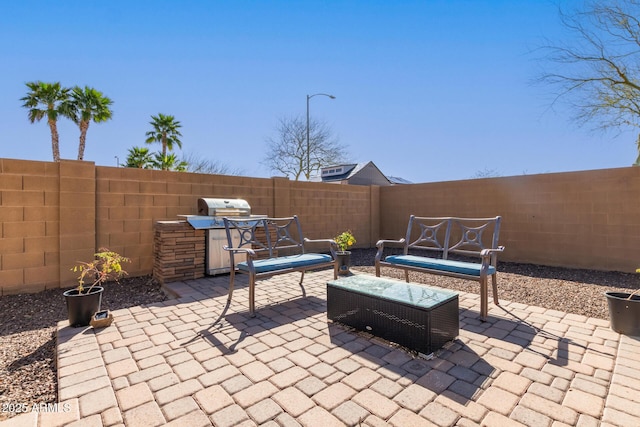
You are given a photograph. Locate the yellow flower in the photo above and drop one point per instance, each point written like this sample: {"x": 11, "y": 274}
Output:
{"x": 345, "y": 240}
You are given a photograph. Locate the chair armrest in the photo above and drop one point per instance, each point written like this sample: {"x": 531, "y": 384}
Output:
{"x": 485, "y": 253}
{"x": 333, "y": 246}
{"x": 380, "y": 245}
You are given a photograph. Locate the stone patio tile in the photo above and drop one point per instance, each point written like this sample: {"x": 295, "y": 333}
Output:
{"x": 256, "y": 371}
{"x": 361, "y": 379}
{"x": 179, "y": 408}
{"x": 549, "y": 408}
{"x": 512, "y": 383}
{"x": 219, "y": 375}
{"x": 289, "y": 377}
{"x": 149, "y": 373}
{"x": 304, "y": 359}
{"x": 264, "y": 411}
{"x": 496, "y": 419}
{"x": 163, "y": 381}
{"x": 351, "y": 413}
{"x": 334, "y": 395}
{"x": 319, "y": 417}
{"x": 212, "y": 399}
{"x": 376, "y": 403}
{"x": 81, "y": 376}
{"x": 146, "y": 415}
{"x": 231, "y": 416}
{"x": 84, "y": 388}
{"x": 293, "y": 401}
{"x": 530, "y": 417}
{"x": 253, "y": 394}
{"x": 414, "y": 397}
{"x": 122, "y": 367}
{"x": 67, "y": 412}
{"x": 97, "y": 401}
{"x": 91, "y": 421}
{"x": 133, "y": 396}
{"x": 177, "y": 391}
{"x": 387, "y": 387}
{"x": 192, "y": 419}
{"x": 461, "y": 405}
{"x": 188, "y": 370}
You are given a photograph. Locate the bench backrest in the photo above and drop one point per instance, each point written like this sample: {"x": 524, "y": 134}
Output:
{"x": 465, "y": 236}
{"x": 266, "y": 236}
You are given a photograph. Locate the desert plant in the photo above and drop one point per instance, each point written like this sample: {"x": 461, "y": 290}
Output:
{"x": 107, "y": 265}
{"x": 345, "y": 240}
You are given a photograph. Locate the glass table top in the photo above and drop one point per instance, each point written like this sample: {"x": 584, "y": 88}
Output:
{"x": 395, "y": 290}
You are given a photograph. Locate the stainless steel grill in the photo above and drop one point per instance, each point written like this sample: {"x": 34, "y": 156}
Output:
{"x": 209, "y": 218}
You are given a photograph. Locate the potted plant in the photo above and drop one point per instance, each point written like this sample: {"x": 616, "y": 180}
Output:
{"x": 84, "y": 300}
{"x": 344, "y": 241}
{"x": 624, "y": 311}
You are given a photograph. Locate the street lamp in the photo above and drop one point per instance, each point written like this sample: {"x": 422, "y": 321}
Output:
{"x": 308, "y": 143}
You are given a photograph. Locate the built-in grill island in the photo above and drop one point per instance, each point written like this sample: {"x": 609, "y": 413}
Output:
{"x": 209, "y": 218}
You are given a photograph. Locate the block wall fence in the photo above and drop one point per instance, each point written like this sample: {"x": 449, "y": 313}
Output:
{"x": 55, "y": 214}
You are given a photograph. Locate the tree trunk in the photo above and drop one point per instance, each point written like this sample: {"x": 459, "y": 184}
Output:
{"x": 84, "y": 126}
{"x": 55, "y": 143}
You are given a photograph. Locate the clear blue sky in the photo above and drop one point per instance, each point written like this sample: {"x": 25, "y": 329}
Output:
{"x": 427, "y": 90}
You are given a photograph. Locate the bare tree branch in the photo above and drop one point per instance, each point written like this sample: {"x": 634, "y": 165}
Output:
{"x": 599, "y": 69}
{"x": 287, "y": 151}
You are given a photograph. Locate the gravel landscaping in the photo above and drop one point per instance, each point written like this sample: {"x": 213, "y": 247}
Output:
{"x": 28, "y": 321}
{"x": 28, "y": 324}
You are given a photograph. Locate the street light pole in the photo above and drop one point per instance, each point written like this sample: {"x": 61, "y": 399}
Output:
{"x": 308, "y": 142}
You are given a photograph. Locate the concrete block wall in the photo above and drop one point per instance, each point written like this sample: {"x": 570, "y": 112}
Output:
{"x": 55, "y": 214}
{"x": 29, "y": 225}
{"x": 588, "y": 219}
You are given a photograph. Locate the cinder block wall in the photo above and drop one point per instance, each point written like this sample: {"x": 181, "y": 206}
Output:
{"x": 55, "y": 214}
{"x": 588, "y": 219}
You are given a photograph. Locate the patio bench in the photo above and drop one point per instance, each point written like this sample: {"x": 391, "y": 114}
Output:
{"x": 273, "y": 246}
{"x": 442, "y": 236}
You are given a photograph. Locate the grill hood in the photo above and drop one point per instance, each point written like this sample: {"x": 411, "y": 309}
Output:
{"x": 223, "y": 207}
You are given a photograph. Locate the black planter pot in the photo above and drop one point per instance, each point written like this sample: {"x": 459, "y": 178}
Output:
{"x": 624, "y": 313}
{"x": 81, "y": 306}
{"x": 344, "y": 262}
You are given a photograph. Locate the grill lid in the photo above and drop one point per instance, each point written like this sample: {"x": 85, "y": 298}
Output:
{"x": 223, "y": 207}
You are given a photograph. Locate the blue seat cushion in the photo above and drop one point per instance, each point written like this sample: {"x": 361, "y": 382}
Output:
{"x": 285, "y": 262}
{"x": 468, "y": 268}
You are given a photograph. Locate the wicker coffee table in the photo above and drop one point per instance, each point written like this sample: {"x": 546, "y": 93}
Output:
{"x": 418, "y": 317}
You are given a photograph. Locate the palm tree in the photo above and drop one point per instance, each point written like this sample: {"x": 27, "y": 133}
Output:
{"x": 169, "y": 162}
{"x": 87, "y": 105}
{"x": 139, "y": 157}
{"x": 165, "y": 131}
{"x": 50, "y": 100}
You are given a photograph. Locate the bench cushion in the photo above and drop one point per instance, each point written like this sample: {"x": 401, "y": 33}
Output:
{"x": 285, "y": 262}
{"x": 460, "y": 267}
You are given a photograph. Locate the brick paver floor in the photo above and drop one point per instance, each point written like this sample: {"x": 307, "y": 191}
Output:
{"x": 178, "y": 363}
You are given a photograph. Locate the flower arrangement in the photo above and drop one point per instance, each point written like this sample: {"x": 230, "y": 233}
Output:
{"x": 345, "y": 240}
{"x": 107, "y": 265}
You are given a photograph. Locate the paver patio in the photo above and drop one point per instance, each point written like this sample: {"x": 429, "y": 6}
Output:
{"x": 178, "y": 363}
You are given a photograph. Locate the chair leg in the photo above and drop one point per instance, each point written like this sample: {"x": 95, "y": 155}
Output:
{"x": 232, "y": 276}
{"x": 252, "y": 295}
{"x": 494, "y": 285}
{"x": 301, "y": 277}
{"x": 377, "y": 269}
{"x": 406, "y": 276}
{"x": 484, "y": 296}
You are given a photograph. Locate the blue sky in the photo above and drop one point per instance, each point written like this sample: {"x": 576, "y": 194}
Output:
{"x": 427, "y": 90}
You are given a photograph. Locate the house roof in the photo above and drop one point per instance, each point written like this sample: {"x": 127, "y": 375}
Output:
{"x": 345, "y": 172}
